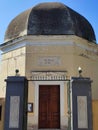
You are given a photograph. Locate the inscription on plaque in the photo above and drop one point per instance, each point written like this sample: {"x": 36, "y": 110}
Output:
{"x": 46, "y": 61}
{"x": 82, "y": 111}
{"x": 14, "y": 112}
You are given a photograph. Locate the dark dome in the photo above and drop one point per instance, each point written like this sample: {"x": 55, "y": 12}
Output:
{"x": 50, "y": 19}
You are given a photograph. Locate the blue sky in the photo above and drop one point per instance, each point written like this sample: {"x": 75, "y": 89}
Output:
{"x": 11, "y": 8}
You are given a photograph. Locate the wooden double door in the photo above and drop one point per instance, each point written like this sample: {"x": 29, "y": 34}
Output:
{"x": 49, "y": 106}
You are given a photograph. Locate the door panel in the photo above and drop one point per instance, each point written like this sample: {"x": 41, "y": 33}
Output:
{"x": 49, "y": 106}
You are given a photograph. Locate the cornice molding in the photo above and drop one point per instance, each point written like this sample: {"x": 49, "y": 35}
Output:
{"x": 47, "y": 41}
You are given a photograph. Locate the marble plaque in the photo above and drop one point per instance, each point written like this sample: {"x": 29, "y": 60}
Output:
{"x": 82, "y": 111}
{"x": 49, "y": 60}
{"x": 14, "y": 112}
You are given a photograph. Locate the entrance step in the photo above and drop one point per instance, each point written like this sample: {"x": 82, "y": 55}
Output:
{"x": 52, "y": 129}
{"x": 46, "y": 129}
{"x": 55, "y": 129}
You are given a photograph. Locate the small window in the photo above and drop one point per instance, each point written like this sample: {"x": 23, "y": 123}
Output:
{"x": 0, "y": 111}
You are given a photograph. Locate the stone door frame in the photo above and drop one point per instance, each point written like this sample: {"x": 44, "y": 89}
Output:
{"x": 36, "y": 106}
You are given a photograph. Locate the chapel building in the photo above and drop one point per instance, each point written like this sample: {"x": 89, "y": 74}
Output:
{"x": 47, "y": 43}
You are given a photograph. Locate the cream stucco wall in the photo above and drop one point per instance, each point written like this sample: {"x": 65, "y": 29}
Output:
{"x": 88, "y": 60}
{"x": 70, "y": 53}
{"x": 11, "y": 61}
{"x": 49, "y": 53}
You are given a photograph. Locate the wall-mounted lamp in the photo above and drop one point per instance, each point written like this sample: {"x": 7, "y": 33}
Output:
{"x": 16, "y": 72}
{"x": 80, "y": 71}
